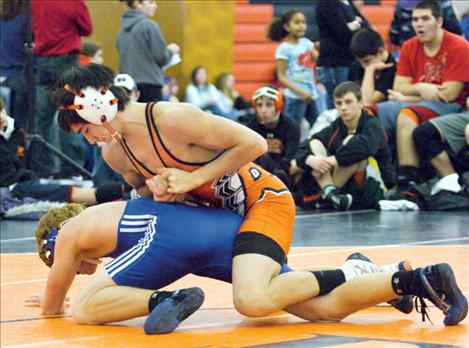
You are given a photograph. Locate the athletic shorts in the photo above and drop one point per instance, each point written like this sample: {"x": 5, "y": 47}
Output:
{"x": 202, "y": 246}
{"x": 388, "y": 111}
{"x": 267, "y": 227}
{"x": 451, "y": 128}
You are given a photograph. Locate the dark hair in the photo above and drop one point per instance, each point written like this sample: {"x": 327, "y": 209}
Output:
{"x": 11, "y": 8}
{"x": 432, "y": 5}
{"x": 78, "y": 78}
{"x": 131, "y": 3}
{"x": 348, "y": 86}
{"x": 365, "y": 42}
{"x": 194, "y": 72}
{"x": 276, "y": 30}
{"x": 89, "y": 48}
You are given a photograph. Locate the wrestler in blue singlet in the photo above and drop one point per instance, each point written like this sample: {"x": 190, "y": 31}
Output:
{"x": 159, "y": 243}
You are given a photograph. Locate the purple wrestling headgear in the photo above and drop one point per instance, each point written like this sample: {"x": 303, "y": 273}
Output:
{"x": 49, "y": 243}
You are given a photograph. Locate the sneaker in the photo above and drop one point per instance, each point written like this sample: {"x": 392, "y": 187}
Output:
{"x": 403, "y": 304}
{"x": 168, "y": 314}
{"x": 340, "y": 201}
{"x": 408, "y": 193}
{"x": 441, "y": 289}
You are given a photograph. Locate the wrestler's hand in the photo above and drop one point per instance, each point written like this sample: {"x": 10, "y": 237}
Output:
{"x": 36, "y": 301}
{"x": 158, "y": 186}
{"x": 179, "y": 181}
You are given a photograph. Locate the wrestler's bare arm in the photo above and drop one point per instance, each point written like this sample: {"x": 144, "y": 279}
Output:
{"x": 66, "y": 264}
{"x": 186, "y": 124}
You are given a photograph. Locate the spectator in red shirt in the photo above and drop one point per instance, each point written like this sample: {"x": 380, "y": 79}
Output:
{"x": 57, "y": 29}
{"x": 431, "y": 80}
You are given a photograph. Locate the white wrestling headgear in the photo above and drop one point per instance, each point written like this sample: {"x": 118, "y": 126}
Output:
{"x": 94, "y": 106}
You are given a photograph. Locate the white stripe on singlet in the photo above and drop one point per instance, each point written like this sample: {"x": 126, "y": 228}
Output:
{"x": 134, "y": 253}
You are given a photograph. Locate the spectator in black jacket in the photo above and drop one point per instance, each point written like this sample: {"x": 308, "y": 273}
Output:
{"x": 337, "y": 21}
{"x": 338, "y": 157}
{"x": 281, "y": 133}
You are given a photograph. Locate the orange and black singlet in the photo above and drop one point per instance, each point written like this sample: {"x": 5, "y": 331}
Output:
{"x": 260, "y": 197}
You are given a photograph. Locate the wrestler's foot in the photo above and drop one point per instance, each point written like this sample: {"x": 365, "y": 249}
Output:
{"x": 168, "y": 314}
{"x": 403, "y": 304}
{"x": 440, "y": 287}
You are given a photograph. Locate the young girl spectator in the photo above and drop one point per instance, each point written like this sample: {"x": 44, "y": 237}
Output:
{"x": 91, "y": 52}
{"x": 229, "y": 99}
{"x": 203, "y": 94}
{"x": 142, "y": 49}
{"x": 295, "y": 67}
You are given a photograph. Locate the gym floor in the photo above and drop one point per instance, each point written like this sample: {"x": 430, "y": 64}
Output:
{"x": 325, "y": 238}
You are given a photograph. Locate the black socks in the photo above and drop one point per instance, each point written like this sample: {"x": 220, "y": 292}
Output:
{"x": 407, "y": 175}
{"x": 408, "y": 283}
{"x": 329, "y": 280}
{"x": 157, "y": 297}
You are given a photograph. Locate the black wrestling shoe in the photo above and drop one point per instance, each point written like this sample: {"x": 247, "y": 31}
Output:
{"x": 442, "y": 290}
{"x": 340, "y": 201}
{"x": 168, "y": 314}
{"x": 404, "y": 303}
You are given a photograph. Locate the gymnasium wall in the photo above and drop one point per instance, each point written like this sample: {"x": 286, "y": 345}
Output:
{"x": 203, "y": 30}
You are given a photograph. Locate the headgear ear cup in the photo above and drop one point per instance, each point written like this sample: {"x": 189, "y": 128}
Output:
{"x": 270, "y": 92}
{"x": 94, "y": 106}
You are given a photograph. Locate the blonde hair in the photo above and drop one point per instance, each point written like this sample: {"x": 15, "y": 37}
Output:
{"x": 54, "y": 218}
{"x": 220, "y": 83}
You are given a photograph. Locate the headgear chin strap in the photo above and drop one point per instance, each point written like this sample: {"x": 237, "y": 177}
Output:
{"x": 49, "y": 243}
{"x": 94, "y": 106}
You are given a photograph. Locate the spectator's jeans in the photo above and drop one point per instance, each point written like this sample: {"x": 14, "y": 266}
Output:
{"x": 45, "y": 192}
{"x": 295, "y": 109}
{"x": 389, "y": 110}
{"x": 49, "y": 70}
{"x": 331, "y": 77}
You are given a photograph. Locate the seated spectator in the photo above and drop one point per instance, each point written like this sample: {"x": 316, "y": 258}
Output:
{"x": 203, "y": 94}
{"x": 336, "y": 161}
{"x": 91, "y": 52}
{"x": 281, "y": 133}
{"x": 170, "y": 89}
{"x": 231, "y": 102}
{"x": 442, "y": 143}
{"x": 24, "y": 183}
{"x": 433, "y": 81}
{"x": 402, "y": 28}
{"x": 374, "y": 68}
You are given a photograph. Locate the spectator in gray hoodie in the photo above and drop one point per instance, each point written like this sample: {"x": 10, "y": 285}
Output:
{"x": 142, "y": 49}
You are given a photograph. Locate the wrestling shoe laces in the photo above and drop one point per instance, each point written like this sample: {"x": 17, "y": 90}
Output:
{"x": 440, "y": 288}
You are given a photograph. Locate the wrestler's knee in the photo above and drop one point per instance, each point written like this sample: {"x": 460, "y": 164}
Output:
{"x": 82, "y": 314}
{"x": 252, "y": 303}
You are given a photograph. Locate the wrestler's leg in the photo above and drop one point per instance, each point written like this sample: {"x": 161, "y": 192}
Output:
{"x": 103, "y": 301}
{"x": 348, "y": 298}
{"x": 260, "y": 290}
